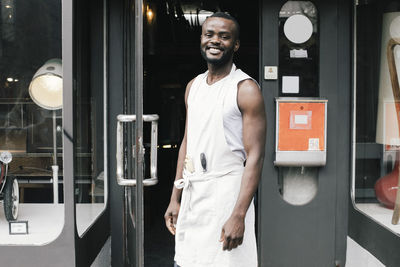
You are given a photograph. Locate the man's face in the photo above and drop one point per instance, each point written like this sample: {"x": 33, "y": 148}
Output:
{"x": 218, "y": 40}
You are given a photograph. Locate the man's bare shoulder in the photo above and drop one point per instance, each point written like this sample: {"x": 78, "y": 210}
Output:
{"x": 188, "y": 86}
{"x": 249, "y": 94}
{"x": 248, "y": 86}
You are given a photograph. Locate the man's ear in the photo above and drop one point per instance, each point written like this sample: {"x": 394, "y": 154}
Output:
{"x": 237, "y": 45}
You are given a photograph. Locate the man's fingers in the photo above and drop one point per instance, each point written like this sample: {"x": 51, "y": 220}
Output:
{"x": 236, "y": 243}
{"x": 227, "y": 244}
{"x": 171, "y": 230}
{"x": 230, "y": 243}
{"x": 170, "y": 225}
{"x": 174, "y": 218}
{"x": 222, "y": 237}
{"x": 166, "y": 218}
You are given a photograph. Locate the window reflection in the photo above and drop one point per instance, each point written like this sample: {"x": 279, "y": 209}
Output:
{"x": 377, "y": 111}
{"x": 298, "y": 62}
{"x": 89, "y": 117}
{"x": 299, "y": 48}
{"x": 27, "y": 41}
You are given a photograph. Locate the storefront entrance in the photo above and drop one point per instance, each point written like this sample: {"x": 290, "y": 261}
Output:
{"x": 300, "y": 209}
{"x": 125, "y": 66}
{"x": 171, "y": 58}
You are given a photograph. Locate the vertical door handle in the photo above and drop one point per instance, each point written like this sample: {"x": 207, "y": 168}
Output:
{"x": 121, "y": 180}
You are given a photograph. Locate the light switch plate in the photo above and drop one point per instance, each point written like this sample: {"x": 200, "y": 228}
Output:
{"x": 270, "y": 72}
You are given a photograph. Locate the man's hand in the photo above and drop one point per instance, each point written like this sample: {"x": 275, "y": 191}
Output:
{"x": 232, "y": 233}
{"x": 171, "y": 215}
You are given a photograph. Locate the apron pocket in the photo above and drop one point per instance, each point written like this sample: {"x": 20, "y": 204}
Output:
{"x": 203, "y": 198}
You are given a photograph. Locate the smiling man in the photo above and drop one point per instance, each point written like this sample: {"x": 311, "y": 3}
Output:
{"x": 211, "y": 211}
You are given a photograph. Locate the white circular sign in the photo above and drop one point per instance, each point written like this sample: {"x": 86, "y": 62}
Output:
{"x": 395, "y": 28}
{"x": 298, "y": 29}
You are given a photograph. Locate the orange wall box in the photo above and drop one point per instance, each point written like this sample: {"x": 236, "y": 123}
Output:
{"x": 300, "y": 138}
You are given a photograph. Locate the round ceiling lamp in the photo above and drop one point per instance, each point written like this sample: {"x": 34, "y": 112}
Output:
{"x": 46, "y": 86}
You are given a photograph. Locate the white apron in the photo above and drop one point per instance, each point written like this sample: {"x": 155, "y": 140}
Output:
{"x": 209, "y": 196}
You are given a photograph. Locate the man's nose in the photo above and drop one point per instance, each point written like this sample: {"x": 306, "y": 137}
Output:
{"x": 215, "y": 40}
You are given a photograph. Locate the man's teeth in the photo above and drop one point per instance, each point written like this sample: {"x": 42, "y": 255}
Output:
{"x": 214, "y": 50}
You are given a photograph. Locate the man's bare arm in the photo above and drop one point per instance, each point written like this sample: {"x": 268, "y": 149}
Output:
{"x": 171, "y": 215}
{"x": 251, "y": 104}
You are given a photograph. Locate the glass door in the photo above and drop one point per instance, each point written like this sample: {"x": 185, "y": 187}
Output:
{"x": 130, "y": 145}
{"x": 160, "y": 56}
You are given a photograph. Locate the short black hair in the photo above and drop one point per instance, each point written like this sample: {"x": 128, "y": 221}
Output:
{"x": 226, "y": 15}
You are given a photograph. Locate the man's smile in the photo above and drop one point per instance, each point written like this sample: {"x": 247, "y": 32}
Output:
{"x": 215, "y": 50}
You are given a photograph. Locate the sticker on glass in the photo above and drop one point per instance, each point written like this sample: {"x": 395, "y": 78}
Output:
{"x": 300, "y": 119}
{"x": 313, "y": 144}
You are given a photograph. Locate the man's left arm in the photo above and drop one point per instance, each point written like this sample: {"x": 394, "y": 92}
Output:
{"x": 251, "y": 105}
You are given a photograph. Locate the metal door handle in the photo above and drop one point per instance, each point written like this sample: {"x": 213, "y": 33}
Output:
{"x": 121, "y": 180}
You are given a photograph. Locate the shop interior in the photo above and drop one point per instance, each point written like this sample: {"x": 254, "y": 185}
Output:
{"x": 171, "y": 59}
{"x": 31, "y": 126}
{"x": 376, "y": 137}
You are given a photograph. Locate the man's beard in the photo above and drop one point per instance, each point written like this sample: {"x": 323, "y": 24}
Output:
{"x": 226, "y": 56}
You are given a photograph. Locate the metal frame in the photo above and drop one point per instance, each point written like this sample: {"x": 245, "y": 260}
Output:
{"x": 374, "y": 237}
{"x": 354, "y": 124}
{"x": 354, "y": 106}
{"x": 105, "y": 118}
{"x": 62, "y": 249}
{"x": 300, "y": 158}
{"x": 136, "y": 233}
{"x": 139, "y": 233}
{"x": 105, "y": 99}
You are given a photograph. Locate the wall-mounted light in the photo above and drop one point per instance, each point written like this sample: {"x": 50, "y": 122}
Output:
{"x": 9, "y": 79}
{"x": 46, "y": 89}
{"x": 149, "y": 14}
{"x": 197, "y": 18}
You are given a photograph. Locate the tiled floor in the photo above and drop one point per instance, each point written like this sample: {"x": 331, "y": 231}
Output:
{"x": 160, "y": 255}
{"x": 359, "y": 257}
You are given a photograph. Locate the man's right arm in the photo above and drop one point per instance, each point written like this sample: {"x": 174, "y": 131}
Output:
{"x": 171, "y": 215}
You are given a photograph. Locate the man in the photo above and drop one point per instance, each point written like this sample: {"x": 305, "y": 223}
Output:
{"x": 220, "y": 158}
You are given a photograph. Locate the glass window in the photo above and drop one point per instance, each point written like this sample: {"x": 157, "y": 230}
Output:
{"x": 377, "y": 110}
{"x": 31, "y": 173}
{"x": 89, "y": 117}
{"x": 298, "y": 76}
{"x": 298, "y": 49}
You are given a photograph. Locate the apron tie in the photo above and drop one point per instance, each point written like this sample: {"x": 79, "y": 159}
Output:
{"x": 185, "y": 183}
{"x": 188, "y": 178}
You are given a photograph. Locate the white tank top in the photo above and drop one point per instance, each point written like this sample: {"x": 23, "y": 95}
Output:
{"x": 232, "y": 117}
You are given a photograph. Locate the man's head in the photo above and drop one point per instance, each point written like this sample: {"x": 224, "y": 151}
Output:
{"x": 219, "y": 38}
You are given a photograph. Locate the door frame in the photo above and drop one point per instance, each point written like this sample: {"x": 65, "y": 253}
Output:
{"x": 92, "y": 240}
{"x": 126, "y": 65}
